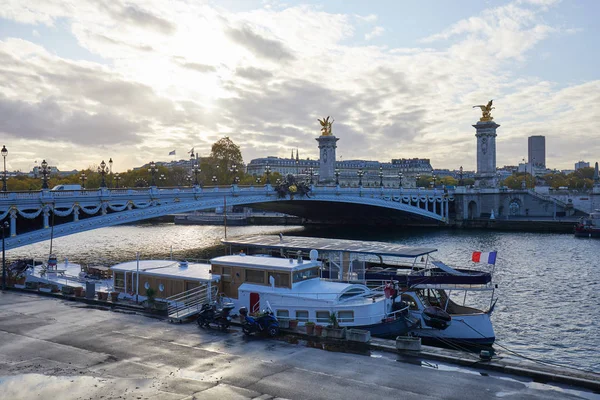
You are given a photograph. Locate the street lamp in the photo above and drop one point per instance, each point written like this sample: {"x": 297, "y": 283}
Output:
{"x": 214, "y": 180}
{"x": 311, "y": 172}
{"x": 117, "y": 179}
{"x": 4, "y": 154}
{"x": 83, "y": 178}
{"x": 196, "y": 170}
{"x": 433, "y": 178}
{"x": 4, "y": 226}
{"x": 110, "y": 163}
{"x": 188, "y": 178}
{"x": 400, "y": 179}
{"x": 45, "y": 174}
{"x": 162, "y": 179}
{"x": 153, "y": 170}
{"x": 360, "y": 174}
{"x": 417, "y": 178}
{"x": 460, "y": 175}
{"x": 234, "y": 171}
{"x": 380, "y": 176}
{"x": 258, "y": 180}
{"x": 337, "y": 176}
{"x": 103, "y": 170}
{"x": 268, "y": 173}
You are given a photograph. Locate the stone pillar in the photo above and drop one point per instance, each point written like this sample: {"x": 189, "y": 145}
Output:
{"x": 327, "y": 146}
{"x": 486, "y": 177}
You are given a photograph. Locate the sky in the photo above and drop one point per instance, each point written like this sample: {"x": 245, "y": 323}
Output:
{"x": 88, "y": 80}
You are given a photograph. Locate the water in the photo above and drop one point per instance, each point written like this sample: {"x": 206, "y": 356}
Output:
{"x": 548, "y": 284}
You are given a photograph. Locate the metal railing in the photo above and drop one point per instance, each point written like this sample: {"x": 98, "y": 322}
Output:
{"x": 190, "y": 302}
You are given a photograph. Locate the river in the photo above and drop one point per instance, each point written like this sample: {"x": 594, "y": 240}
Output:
{"x": 548, "y": 284}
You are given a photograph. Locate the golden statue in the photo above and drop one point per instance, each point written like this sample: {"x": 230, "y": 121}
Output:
{"x": 326, "y": 126}
{"x": 485, "y": 111}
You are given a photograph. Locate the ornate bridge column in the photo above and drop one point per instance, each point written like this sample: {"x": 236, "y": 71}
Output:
{"x": 327, "y": 146}
{"x": 486, "y": 177}
{"x": 13, "y": 222}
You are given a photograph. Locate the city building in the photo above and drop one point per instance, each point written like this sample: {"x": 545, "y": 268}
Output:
{"x": 581, "y": 164}
{"x": 536, "y": 152}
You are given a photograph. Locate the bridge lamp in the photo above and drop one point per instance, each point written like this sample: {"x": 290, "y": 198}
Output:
{"x": 360, "y": 174}
{"x": 258, "y": 181}
{"x": 153, "y": 170}
{"x": 110, "y": 163}
{"x": 400, "y": 179}
{"x": 162, "y": 179}
{"x": 337, "y": 176}
{"x": 45, "y": 173}
{"x": 214, "y": 180}
{"x": 4, "y": 226}
{"x": 189, "y": 178}
{"x": 103, "y": 170}
{"x": 82, "y": 178}
{"x": 268, "y": 173}
{"x": 4, "y": 154}
{"x": 460, "y": 174}
{"x": 234, "y": 171}
{"x": 117, "y": 179}
{"x": 196, "y": 170}
{"x": 417, "y": 179}
{"x": 311, "y": 172}
{"x": 380, "y": 176}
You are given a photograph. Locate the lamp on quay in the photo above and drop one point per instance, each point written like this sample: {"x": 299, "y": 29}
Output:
{"x": 82, "y": 178}
{"x": 460, "y": 175}
{"x": 196, "y": 170}
{"x": 4, "y": 154}
{"x": 110, "y": 163}
{"x": 268, "y": 173}
{"x": 337, "y": 176}
{"x": 380, "y": 176}
{"x": 360, "y": 174}
{"x": 103, "y": 170}
{"x": 311, "y": 172}
{"x": 400, "y": 179}
{"x": 153, "y": 170}
{"x": 45, "y": 174}
{"x": 4, "y": 226}
{"x": 234, "y": 171}
{"x": 417, "y": 179}
{"x": 117, "y": 179}
{"x": 162, "y": 179}
{"x": 214, "y": 180}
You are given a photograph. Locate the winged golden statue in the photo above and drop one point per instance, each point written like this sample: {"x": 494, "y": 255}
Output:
{"x": 326, "y": 126}
{"x": 485, "y": 111}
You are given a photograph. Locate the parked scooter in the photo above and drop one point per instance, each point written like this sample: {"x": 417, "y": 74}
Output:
{"x": 209, "y": 314}
{"x": 265, "y": 323}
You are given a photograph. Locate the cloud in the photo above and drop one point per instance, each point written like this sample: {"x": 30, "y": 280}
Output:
{"x": 377, "y": 31}
{"x": 254, "y": 74}
{"x": 132, "y": 14}
{"x": 260, "y": 46}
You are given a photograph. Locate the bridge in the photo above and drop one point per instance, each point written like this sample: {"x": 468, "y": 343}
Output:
{"x": 83, "y": 210}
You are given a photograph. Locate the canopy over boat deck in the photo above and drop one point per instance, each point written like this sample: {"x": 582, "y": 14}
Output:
{"x": 306, "y": 244}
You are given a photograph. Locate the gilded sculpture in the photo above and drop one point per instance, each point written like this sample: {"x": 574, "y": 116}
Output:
{"x": 485, "y": 111}
{"x": 326, "y": 126}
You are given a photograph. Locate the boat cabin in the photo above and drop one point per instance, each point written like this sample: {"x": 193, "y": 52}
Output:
{"x": 166, "y": 277}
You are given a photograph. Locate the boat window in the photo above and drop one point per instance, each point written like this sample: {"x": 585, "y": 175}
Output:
{"x": 300, "y": 276}
{"x": 345, "y": 316}
{"x": 119, "y": 280}
{"x": 255, "y": 276}
{"x": 281, "y": 279}
{"x": 302, "y": 315}
{"x": 351, "y": 293}
{"x": 283, "y": 314}
{"x": 322, "y": 316}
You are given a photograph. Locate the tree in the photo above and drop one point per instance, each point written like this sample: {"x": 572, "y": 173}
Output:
{"x": 223, "y": 156}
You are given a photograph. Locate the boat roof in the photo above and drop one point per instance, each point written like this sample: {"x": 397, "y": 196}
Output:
{"x": 325, "y": 244}
{"x": 170, "y": 269}
{"x": 314, "y": 289}
{"x": 270, "y": 263}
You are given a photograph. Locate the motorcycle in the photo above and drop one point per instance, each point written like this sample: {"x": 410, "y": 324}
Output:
{"x": 266, "y": 322}
{"x": 209, "y": 314}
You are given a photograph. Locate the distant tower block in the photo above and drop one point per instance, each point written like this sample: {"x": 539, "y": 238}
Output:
{"x": 327, "y": 157}
{"x": 486, "y": 177}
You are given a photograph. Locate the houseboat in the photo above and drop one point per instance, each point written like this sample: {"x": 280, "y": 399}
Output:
{"x": 435, "y": 292}
{"x": 293, "y": 289}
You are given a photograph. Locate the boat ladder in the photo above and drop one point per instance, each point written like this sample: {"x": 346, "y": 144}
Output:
{"x": 188, "y": 303}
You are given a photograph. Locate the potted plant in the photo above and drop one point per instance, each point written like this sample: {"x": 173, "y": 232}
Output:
{"x": 333, "y": 330}
{"x": 310, "y": 327}
{"x": 114, "y": 296}
{"x": 78, "y": 290}
{"x": 318, "y": 330}
{"x": 293, "y": 323}
{"x": 150, "y": 297}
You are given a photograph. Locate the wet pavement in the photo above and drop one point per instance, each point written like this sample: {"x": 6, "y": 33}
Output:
{"x": 51, "y": 348}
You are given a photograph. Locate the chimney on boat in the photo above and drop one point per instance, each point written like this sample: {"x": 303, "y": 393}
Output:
{"x": 183, "y": 264}
{"x": 299, "y": 257}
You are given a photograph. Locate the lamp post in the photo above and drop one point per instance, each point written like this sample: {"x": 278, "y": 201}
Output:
{"x": 162, "y": 179}
{"x": 360, "y": 174}
{"x": 337, "y": 176}
{"x": 192, "y": 157}
{"x": 117, "y": 179}
{"x": 4, "y": 226}
{"x": 110, "y": 163}
{"x": 214, "y": 180}
{"x": 258, "y": 180}
{"x": 433, "y": 178}
{"x": 83, "y": 178}
{"x": 103, "y": 170}
{"x": 268, "y": 173}
{"x": 153, "y": 170}
{"x": 196, "y": 170}
{"x": 311, "y": 172}
{"x": 45, "y": 174}
{"x": 380, "y": 176}
{"x": 400, "y": 179}
{"x": 189, "y": 178}
{"x": 4, "y": 154}
{"x": 234, "y": 171}
{"x": 417, "y": 178}
{"x": 460, "y": 175}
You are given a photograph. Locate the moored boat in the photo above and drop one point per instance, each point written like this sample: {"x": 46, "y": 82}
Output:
{"x": 589, "y": 226}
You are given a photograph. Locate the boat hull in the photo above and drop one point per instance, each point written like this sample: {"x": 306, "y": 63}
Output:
{"x": 592, "y": 233}
{"x": 471, "y": 329}
{"x": 388, "y": 329}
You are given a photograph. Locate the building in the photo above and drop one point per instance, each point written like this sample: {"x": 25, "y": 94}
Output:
{"x": 349, "y": 172}
{"x": 581, "y": 164}
{"x": 536, "y": 152}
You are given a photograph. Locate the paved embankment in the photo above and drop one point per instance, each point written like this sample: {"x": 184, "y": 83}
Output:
{"x": 54, "y": 348}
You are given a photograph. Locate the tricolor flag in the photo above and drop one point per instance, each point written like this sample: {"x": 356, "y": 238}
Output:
{"x": 490, "y": 257}
{"x": 172, "y": 153}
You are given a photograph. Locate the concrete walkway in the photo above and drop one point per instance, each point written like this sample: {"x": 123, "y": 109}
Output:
{"x": 60, "y": 349}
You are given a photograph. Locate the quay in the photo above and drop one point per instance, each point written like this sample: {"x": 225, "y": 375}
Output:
{"x": 53, "y": 347}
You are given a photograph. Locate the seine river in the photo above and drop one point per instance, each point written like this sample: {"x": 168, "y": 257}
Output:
{"x": 548, "y": 284}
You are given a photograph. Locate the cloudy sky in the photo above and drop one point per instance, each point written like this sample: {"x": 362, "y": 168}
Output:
{"x": 85, "y": 80}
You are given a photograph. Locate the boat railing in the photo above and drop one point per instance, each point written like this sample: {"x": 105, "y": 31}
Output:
{"x": 191, "y": 301}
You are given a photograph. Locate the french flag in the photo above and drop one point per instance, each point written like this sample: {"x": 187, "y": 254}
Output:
{"x": 489, "y": 257}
